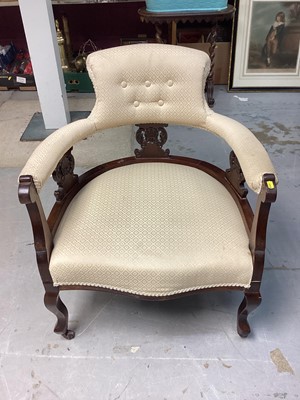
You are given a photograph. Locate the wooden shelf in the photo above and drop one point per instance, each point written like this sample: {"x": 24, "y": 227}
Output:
{"x": 8, "y": 3}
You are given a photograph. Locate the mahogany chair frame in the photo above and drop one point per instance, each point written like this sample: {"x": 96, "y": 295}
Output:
{"x": 151, "y": 138}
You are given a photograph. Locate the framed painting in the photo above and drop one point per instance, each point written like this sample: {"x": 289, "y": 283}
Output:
{"x": 265, "y": 49}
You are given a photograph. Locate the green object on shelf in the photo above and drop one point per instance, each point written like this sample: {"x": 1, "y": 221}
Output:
{"x": 78, "y": 82}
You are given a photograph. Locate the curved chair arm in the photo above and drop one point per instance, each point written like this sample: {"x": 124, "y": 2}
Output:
{"x": 47, "y": 155}
{"x": 252, "y": 156}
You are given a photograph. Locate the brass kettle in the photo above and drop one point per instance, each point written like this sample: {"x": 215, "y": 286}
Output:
{"x": 80, "y": 60}
{"x": 80, "y": 63}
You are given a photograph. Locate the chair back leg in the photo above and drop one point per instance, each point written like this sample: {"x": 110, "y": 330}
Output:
{"x": 250, "y": 302}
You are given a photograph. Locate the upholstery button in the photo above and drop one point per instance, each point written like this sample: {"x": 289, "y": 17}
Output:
{"x": 124, "y": 84}
{"x": 160, "y": 102}
{"x": 170, "y": 83}
{"x": 136, "y": 103}
{"x": 148, "y": 83}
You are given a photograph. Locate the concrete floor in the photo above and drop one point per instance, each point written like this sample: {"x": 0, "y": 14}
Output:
{"x": 128, "y": 349}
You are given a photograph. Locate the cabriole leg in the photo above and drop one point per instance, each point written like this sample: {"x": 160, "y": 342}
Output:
{"x": 250, "y": 302}
{"x": 56, "y": 306}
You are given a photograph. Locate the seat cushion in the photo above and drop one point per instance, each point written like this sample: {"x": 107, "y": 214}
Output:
{"x": 153, "y": 229}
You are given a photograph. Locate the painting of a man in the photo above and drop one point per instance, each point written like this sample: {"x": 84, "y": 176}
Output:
{"x": 274, "y": 42}
{"x": 274, "y": 37}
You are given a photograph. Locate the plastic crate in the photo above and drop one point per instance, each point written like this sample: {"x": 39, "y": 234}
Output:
{"x": 185, "y": 5}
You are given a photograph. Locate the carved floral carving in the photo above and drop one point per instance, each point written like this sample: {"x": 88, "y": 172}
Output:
{"x": 235, "y": 176}
{"x": 151, "y": 138}
{"x": 64, "y": 175}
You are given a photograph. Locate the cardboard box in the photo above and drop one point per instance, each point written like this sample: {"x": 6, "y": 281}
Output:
{"x": 222, "y": 58}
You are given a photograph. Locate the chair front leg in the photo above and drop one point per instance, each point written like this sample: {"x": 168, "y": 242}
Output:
{"x": 54, "y": 304}
{"x": 252, "y": 297}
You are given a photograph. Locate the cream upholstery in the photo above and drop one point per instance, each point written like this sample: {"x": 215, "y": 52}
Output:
{"x": 141, "y": 229}
{"x": 151, "y": 87}
{"x": 47, "y": 155}
{"x": 139, "y": 84}
{"x": 251, "y": 154}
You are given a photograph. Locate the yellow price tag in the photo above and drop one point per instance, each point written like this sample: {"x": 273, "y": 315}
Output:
{"x": 270, "y": 184}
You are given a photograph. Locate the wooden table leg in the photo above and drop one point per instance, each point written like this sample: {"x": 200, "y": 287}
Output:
{"x": 210, "y": 78}
{"x": 173, "y": 32}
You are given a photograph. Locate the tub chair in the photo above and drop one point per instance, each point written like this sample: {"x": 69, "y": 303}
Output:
{"x": 153, "y": 225}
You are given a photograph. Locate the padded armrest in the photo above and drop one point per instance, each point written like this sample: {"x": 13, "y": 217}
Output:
{"x": 252, "y": 156}
{"x": 46, "y": 156}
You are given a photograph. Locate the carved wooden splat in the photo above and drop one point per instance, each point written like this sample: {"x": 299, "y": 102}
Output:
{"x": 151, "y": 138}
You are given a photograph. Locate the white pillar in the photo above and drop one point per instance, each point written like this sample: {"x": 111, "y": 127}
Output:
{"x": 39, "y": 26}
